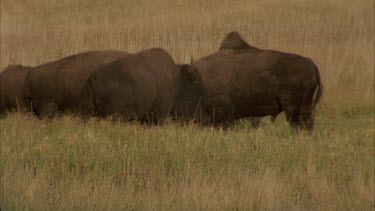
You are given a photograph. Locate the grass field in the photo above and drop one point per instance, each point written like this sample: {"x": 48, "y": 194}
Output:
{"x": 102, "y": 165}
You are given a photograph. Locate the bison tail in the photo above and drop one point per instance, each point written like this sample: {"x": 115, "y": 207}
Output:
{"x": 319, "y": 90}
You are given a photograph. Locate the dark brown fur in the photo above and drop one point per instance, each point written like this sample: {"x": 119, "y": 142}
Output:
{"x": 257, "y": 83}
{"x": 234, "y": 41}
{"x": 12, "y": 86}
{"x": 145, "y": 86}
{"x": 57, "y": 86}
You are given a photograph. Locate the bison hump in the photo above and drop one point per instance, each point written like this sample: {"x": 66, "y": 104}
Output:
{"x": 234, "y": 41}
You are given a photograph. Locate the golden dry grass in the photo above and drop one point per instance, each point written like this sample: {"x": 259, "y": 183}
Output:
{"x": 102, "y": 165}
{"x": 67, "y": 165}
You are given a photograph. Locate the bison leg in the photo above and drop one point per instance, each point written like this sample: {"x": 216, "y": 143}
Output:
{"x": 293, "y": 120}
{"x": 300, "y": 120}
{"x": 299, "y": 111}
{"x": 46, "y": 110}
{"x": 255, "y": 121}
{"x": 87, "y": 102}
{"x": 2, "y": 108}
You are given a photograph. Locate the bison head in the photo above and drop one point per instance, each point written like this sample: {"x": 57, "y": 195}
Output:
{"x": 192, "y": 92}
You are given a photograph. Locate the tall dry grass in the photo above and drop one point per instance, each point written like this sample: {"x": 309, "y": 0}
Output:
{"x": 101, "y": 165}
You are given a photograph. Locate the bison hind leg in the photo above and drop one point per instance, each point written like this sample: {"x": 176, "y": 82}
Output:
{"x": 299, "y": 112}
{"x": 255, "y": 121}
{"x": 47, "y": 110}
{"x": 300, "y": 120}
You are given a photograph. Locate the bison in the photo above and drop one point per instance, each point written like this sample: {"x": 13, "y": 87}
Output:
{"x": 147, "y": 86}
{"x": 233, "y": 41}
{"x": 244, "y": 81}
{"x": 57, "y": 86}
{"x": 12, "y": 86}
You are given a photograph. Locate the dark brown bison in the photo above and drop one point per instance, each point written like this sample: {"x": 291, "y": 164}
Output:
{"x": 233, "y": 41}
{"x": 57, "y": 86}
{"x": 12, "y": 86}
{"x": 250, "y": 82}
{"x": 147, "y": 86}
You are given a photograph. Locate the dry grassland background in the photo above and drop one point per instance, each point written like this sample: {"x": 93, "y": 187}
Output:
{"x": 65, "y": 164}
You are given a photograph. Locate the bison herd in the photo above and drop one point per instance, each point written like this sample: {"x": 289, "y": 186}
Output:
{"x": 238, "y": 81}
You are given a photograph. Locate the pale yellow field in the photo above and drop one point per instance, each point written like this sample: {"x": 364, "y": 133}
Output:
{"x": 66, "y": 164}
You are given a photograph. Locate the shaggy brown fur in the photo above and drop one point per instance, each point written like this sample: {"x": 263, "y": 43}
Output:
{"x": 145, "y": 86}
{"x": 257, "y": 83}
{"x": 57, "y": 86}
{"x": 234, "y": 41}
{"x": 12, "y": 86}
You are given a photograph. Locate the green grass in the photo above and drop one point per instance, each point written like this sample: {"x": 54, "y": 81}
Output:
{"x": 67, "y": 164}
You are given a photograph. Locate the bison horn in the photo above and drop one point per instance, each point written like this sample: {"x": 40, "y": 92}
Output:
{"x": 191, "y": 60}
